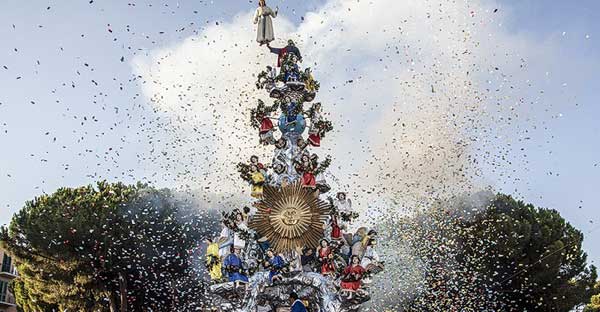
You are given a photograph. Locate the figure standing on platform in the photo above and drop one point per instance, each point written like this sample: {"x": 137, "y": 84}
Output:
{"x": 352, "y": 276}
{"x": 225, "y": 238}
{"x": 305, "y": 168}
{"x": 308, "y": 259}
{"x": 336, "y": 230}
{"x": 326, "y": 258}
{"x": 314, "y": 132}
{"x": 275, "y": 264}
{"x": 370, "y": 260}
{"x": 257, "y": 181}
{"x": 261, "y": 167}
{"x": 238, "y": 241}
{"x": 282, "y": 52}
{"x": 233, "y": 267}
{"x": 263, "y": 17}
{"x": 260, "y": 118}
{"x": 213, "y": 260}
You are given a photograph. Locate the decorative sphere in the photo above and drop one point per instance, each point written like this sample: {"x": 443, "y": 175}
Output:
{"x": 296, "y": 127}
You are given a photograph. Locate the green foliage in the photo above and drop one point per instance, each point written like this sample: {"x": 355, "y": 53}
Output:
{"x": 73, "y": 245}
{"x": 594, "y": 305}
{"x": 531, "y": 256}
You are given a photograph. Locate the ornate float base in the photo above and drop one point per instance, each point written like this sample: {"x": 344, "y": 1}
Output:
{"x": 263, "y": 295}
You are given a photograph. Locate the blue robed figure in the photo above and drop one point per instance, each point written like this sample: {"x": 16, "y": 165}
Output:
{"x": 233, "y": 265}
{"x": 297, "y": 305}
{"x": 276, "y": 264}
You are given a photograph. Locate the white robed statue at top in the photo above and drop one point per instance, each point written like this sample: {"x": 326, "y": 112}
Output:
{"x": 262, "y": 17}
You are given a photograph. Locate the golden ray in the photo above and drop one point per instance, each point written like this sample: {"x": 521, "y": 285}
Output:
{"x": 290, "y": 217}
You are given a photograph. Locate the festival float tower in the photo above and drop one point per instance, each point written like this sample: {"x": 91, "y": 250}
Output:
{"x": 294, "y": 239}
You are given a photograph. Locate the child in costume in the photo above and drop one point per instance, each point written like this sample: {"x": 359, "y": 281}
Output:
{"x": 325, "y": 255}
{"x": 352, "y": 276}
{"x": 305, "y": 168}
{"x": 314, "y": 133}
{"x": 275, "y": 264}
{"x": 233, "y": 267}
{"x": 257, "y": 179}
{"x": 213, "y": 260}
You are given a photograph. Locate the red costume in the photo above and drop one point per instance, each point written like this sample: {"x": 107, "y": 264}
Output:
{"x": 351, "y": 277}
{"x": 266, "y": 125}
{"x": 326, "y": 263}
{"x": 308, "y": 180}
{"x": 336, "y": 231}
{"x": 314, "y": 139}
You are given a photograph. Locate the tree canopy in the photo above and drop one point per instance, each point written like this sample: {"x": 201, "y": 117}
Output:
{"x": 530, "y": 256}
{"x": 109, "y": 246}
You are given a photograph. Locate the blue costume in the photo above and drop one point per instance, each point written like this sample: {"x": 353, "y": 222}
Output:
{"x": 277, "y": 264}
{"x": 291, "y": 112}
{"x": 298, "y": 306}
{"x": 297, "y": 125}
{"x": 233, "y": 265}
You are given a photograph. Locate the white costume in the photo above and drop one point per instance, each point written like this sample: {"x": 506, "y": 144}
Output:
{"x": 369, "y": 257}
{"x": 344, "y": 205}
{"x": 225, "y": 246}
{"x": 238, "y": 242}
{"x": 262, "y": 17}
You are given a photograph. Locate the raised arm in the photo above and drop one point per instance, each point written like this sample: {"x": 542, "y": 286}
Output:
{"x": 274, "y": 50}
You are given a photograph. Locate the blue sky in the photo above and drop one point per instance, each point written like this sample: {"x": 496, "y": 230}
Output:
{"x": 72, "y": 111}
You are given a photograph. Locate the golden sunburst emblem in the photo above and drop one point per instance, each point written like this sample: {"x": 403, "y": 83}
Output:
{"x": 289, "y": 217}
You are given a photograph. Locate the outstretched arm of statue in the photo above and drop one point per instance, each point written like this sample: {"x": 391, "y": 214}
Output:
{"x": 274, "y": 50}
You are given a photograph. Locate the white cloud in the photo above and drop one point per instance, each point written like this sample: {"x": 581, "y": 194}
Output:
{"x": 400, "y": 82}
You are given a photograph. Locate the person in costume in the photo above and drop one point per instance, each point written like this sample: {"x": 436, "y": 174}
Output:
{"x": 258, "y": 164}
{"x": 257, "y": 181}
{"x": 314, "y": 132}
{"x": 233, "y": 267}
{"x": 359, "y": 242}
{"x": 275, "y": 263}
{"x": 308, "y": 259}
{"x": 336, "y": 230}
{"x": 246, "y": 213}
{"x": 309, "y": 81}
{"x": 342, "y": 203}
{"x": 318, "y": 171}
{"x": 305, "y": 168}
{"x": 283, "y": 52}
{"x": 240, "y": 227}
{"x": 263, "y": 17}
{"x": 325, "y": 255}
{"x": 370, "y": 260}
{"x": 213, "y": 260}
{"x": 297, "y": 304}
{"x": 352, "y": 276}
{"x": 291, "y": 112}
{"x": 225, "y": 238}
{"x": 280, "y": 154}
{"x": 344, "y": 208}
{"x": 266, "y": 129}
{"x": 301, "y": 145}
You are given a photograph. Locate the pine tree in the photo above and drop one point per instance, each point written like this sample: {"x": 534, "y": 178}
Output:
{"x": 112, "y": 246}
